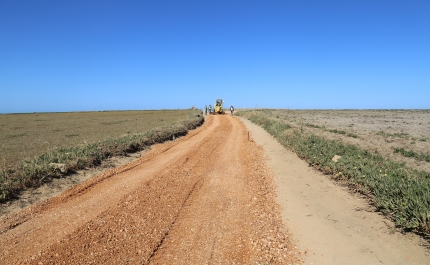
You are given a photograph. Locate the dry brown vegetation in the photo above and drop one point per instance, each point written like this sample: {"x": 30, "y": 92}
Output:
{"x": 40, "y": 147}
{"x": 380, "y": 131}
{"x": 24, "y": 136}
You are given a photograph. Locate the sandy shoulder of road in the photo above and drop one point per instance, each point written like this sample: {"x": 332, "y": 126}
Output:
{"x": 330, "y": 223}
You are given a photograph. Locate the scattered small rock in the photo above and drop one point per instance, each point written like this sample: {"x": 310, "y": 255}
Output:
{"x": 61, "y": 167}
{"x": 336, "y": 158}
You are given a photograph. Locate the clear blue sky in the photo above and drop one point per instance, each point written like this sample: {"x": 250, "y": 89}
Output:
{"x": 106, "y": 55}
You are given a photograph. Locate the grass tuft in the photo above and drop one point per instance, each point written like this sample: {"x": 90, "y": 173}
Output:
{"x": 410, "y": 153}
{"x": 398, "y": 135}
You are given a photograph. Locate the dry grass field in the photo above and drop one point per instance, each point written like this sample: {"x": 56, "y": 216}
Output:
{"x": 381, "y": 131}
{"x": 24, "y": 136}
{"x": 35, "y": 148}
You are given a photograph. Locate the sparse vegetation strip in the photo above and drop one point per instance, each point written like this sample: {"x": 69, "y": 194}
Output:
{"x": 343, "y": 133}
{"x": 399, "y": 135}
{"x": 62, "y": 161}
{"x": 309, "y": 125}
{"x": 332, "y": 131}
{"x": 396, "y": 190}
{"x": 410, "y": 153}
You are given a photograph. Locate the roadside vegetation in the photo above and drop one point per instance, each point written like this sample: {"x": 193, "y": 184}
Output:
{"x": 398, "y": 191}
{"x": 332, "y": 131}
{"x": 399, "y": 135}
{"x": 410, "y": 153}
{"x": 57, "y": 162}
{"x": 343, "y": 132}
{"x": 310, "y": 125}
{"x": 24, "y": 136}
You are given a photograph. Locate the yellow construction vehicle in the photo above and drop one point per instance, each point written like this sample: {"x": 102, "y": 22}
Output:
{"x": 218, "y": 107}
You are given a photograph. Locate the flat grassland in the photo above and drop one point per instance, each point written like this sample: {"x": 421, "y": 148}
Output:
{"x": 34, "y": 148}
{"x": 24, "y": 136}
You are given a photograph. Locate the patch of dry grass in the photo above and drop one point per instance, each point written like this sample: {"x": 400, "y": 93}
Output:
{"x": 71, "y": 141}
{"x": 24, "y": 136}
{"x": 381, "y": 131}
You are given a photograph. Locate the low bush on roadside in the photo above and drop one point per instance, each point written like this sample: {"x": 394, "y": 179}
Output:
{"x": 397, "y": 191}
{"x": 32, "y": 173}
{"x": 410, "y": 153}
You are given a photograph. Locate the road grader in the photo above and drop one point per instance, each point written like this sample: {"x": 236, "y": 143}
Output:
{"x": 218, "y": 109}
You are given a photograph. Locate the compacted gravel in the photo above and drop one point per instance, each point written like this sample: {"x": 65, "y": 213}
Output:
{"x": 206, "y": 198}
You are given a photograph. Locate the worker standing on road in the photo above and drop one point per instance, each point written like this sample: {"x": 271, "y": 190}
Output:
{"x": 232, "y": 110}
{"x": 206, "y": 110}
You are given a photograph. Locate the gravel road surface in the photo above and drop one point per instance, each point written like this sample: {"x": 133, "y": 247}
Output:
{"x": 206, "y": 198}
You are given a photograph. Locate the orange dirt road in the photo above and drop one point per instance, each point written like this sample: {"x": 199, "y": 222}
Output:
{"x": 206, "y": 198}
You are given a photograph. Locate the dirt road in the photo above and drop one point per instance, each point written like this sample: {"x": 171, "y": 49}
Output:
{"x": 333, "y": 226}
{"x": 206, "y": 198}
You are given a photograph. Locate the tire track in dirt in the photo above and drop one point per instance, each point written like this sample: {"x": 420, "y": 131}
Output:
{"x": 78, "y": 205}
{"x": 205, "y": 199}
